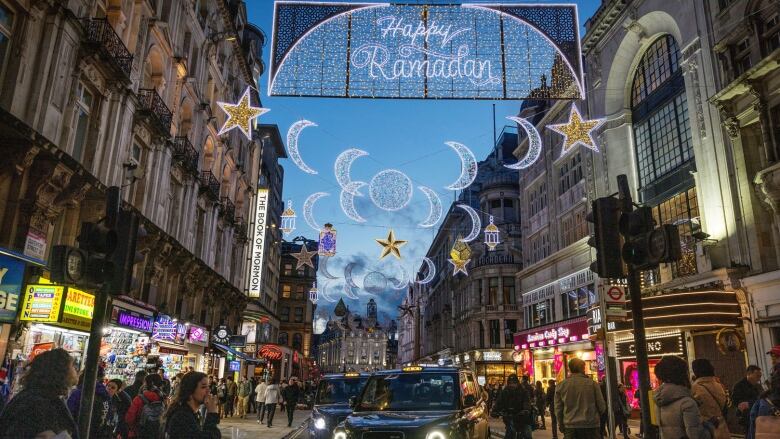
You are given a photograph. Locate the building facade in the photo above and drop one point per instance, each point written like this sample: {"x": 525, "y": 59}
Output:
{"x": 108, "y": 93}
{"x": 351, "y": 342}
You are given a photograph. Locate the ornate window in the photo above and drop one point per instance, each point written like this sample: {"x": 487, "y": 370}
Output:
{"x": 662, "y": 133}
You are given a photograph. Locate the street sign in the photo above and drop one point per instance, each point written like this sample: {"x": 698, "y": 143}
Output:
{"x": 615, "y": 294}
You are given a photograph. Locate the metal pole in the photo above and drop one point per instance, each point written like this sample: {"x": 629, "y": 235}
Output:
{"x": 640, "y": 343}
{"x": 607, "y": 360}
{"x": 93, "y": 356}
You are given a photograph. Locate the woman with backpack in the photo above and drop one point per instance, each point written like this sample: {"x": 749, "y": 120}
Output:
{"x": 181, "y": 419}
{"x": 711, "y": 396}
{"x": 678, "y": 412}
{"x": 145, "y": 413}
{"x": 765, "y": 413}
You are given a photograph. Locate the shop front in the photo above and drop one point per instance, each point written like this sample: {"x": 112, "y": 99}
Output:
{"x": 168, "y": 349}
{"x": 126, "y": 339}
{"x": 196, "y": 344}
{"x": 275, "y": 359}
{"x": 545, "y": 351}
{"x": 491, "y": 366}
{"x": 12, "y": 278}
{"x": 60, "y": 317}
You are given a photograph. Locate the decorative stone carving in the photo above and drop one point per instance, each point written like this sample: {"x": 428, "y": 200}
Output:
{"x": 691, "y": 69}
{"x": 730, "y": 122}
{"x": 768, "y": 187}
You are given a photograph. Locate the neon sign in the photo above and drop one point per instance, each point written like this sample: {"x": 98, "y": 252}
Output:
{"x": 132, "y": 320}
{"x": 270, "y": 352}
{"x": 425, "y": 51}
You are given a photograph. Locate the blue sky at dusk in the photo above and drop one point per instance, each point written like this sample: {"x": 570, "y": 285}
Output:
{"x": 407, "y": 135}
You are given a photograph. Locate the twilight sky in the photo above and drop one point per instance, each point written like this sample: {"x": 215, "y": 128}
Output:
{"x": 407, "y": 135}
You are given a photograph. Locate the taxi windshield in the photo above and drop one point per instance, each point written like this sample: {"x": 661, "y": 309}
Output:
{"x": 410, "y": 392}
{"x": 339, "y": 390}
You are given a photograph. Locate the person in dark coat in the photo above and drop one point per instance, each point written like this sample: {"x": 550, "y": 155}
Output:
{"x": 514, "y": 406}
{"x": 121, "y": 404}
{"x": 541, "y": 403}
{"x": 181, "y": 418}
{"x": 133, "y": 389}
{"x": 745, "y": 393}
{"x": 39, "y": 409}
{"x": 551, "y": 405}
{"x": 101, "y": 425}
{"x": 291, "y": 394}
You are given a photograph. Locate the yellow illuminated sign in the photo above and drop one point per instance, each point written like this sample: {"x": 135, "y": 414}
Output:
{"x": 42, "y": 303}
{"x": 78, "y": 310}
{"x": 412, "y": 369}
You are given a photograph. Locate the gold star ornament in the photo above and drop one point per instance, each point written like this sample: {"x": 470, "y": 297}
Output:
{"x": 460, "y": 256}
{"x": 390, "y": 245}
{"x": 241, "y": 115}
{"x": 304, "y": 257}
{"x": 577, "y": 131}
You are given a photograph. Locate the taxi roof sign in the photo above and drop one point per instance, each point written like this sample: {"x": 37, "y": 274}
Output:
{"x": 412, "y": 369}
{"x": 351, "y": 374}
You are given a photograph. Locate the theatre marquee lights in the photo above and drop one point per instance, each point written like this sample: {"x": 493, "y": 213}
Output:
{"x": 425, "y": 51}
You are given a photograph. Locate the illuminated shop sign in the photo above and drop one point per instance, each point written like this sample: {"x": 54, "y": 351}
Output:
{"x": 567, "y": 332}
{"x": 42, "y": 303}
{"x": 270, "y": 352}
{"x": 491, "y": 356}
{"x": 78, "y": 309}
{"x": 656, "y": 347}
{"x": 425, "y": 51}
{"x": 258, "y": 245}
{"x": 167, "y": 329}
{"x": 198, "y": 335}
{"x": 11, "y": 277}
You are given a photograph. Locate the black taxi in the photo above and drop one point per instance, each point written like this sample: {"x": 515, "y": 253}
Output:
{"x": 331, "y": 402}
{"x": 418, "y": 403}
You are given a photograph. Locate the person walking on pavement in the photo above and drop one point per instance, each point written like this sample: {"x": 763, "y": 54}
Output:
{"x": 145, "y": 407}
{"x": 291, "y": 395}
{"x": 232, "y": 393}
{"x": 513, "y": 404}
{"x": 711, "y": 396}
{"x": 745, "y": 393}
{"x": 100, "y": 425}
{"x": 766, "y": 409}
{"x": 133, "y": 389}
{"x": 222, "y": 395}
{"x": 121, "y": 404}
{"x": 182, "y": 417}
{"x": 621, "y": 410}
{"x": 579, "y": 404}
{"x": 244, "y": 390}
{"x": 551, "y": 405}
{"x": 272, "y": 397}
{"x": 39, "y": 410}
{"x": 678, "y": 413}
{"x": 260, "y": 399}
{"x": 541, "y": 404}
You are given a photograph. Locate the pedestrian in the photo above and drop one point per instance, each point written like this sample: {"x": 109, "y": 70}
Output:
{"x": 745, "y": 393}
{"x": 764, "y": 418}
{"x": 121, "y": 404}
{"x": 144, "y": 415}
{"x": 244, "y": 392}
{"x": 212, "y": 386}
{"x": 579, "y": 404}
{"x": 541, "y": 403}
{"x": 100, "y": 426}
{"x": 774, "y": 356}
{"x": 252, "y": 402}
{"x": 513, "y": 405}
{"x": 222, "y": 395}
{"x": 175, "y": 383}
{"x": 181, "y": 418}
{"x": 232, "y": 395}
{"x": 165, "y": 387}
{"x": 39, "y": 409}
{"x": 260, "y": 399}
{"x": 272, "y": 397}
{"x": 133, "y": 389}
{"x": 621, "y": 410}
{"x": 678, "y": 413}
{"x": 605, "y": 415}
{"x": 291, "y": 394}
{"x": 551, "y": 405}
{"x": 711, "y": 396}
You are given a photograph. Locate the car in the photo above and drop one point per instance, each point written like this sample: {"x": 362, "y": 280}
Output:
{"x": 331, "y": 402}
{"x": 418, "y": 402}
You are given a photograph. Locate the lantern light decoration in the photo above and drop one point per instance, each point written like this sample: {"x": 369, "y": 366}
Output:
{"x": 327, "y": 245}
{"x": 492, "y": 235}
{"x": 313, "y": 293}
{"x": 288, "y": 219}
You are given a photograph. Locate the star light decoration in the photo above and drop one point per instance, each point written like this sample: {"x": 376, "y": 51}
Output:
{"x": 390, "y": 245}
{"x": 304, "y": 257}
{"x": 577, "y": 131}
{"x": 241, "y": 115}
{"x": 288, "y": 219}
{"x": 460, "y": 256}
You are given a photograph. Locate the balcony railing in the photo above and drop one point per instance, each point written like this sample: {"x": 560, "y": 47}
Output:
{"x": 185, "y": 155}
{"x": 209, "y": 185}
{"x": 99, "y": 34}
{"x": 227, "y": 209}
{"x": 154, "y": 106}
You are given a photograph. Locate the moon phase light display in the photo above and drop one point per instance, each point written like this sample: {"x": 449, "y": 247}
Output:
{"x": 292, "y": 144}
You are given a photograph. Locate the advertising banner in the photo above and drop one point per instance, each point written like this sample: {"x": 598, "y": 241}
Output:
{"x": 78, "y": 309}
{"x": 258, "y": 245}
{"x": 11, "y": 278}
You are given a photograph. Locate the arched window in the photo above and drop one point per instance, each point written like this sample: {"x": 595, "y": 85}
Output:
{"x": 662, "y": 133}
{"x": 283, "y": 339}
{"x": 297, "y": 342}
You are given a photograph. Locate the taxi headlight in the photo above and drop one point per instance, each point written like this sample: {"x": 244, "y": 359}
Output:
{"x": 320, "y": 424}
{"x": 433, "y": 435}
{"x": 340, "y": 435}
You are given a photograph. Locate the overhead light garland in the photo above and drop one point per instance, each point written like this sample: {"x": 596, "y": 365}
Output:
{"x": 577, "y": 131}
{"x": 390, "y": 245}
{"x": 241, "y": 115}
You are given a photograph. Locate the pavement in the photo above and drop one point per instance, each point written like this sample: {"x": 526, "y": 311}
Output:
{"x": 249, "y": 428}
{"x": 497, "y": 430}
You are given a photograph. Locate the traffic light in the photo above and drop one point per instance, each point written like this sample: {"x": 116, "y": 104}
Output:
{"x": 646, "y": 245}
{"x": 89, "y": 265}
{"x": 124, "y": 256}
{"x": 605, "y": 214}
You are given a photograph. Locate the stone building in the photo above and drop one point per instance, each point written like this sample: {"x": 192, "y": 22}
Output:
{"x": 108, "y": 93}
{"x": 469, "y": 319}
{"x": 352, "y": 342}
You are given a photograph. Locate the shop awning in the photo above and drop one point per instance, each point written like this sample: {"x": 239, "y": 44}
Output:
{"x": 231, "y": 351}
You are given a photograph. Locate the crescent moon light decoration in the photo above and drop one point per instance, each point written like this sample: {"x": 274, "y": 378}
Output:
{"x": 399, "y": 284}
{"x": 468, "y": 166}
{"x": 323, "y": 267}
{"x": 292, "y": 144}
{"x": 308, "y": 205}
{"x": 476, "y": 223}
{"x": 347, "y": 199}
{"x": 349, "y": 285}
{"x": 343, "y": 165}
{"x": 324, "y": 293}
{"x": 431, "y": 271}
{"x": 534, "y": 144}
{"x": 434, "y": 215}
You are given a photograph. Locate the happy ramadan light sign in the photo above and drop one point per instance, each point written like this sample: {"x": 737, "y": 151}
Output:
{"x": 425, "y": 51}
